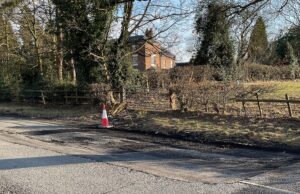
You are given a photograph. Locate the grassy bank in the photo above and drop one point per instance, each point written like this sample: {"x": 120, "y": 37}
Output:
{"x": 259, "y": 132}
{"x": 278, "y": 89}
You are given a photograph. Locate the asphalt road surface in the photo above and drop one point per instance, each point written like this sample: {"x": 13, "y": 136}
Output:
{"x": 39, "y": 156}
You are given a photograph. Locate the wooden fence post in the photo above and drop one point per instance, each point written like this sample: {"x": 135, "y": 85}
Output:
{"x": 258, "y": 104}
{"x": 43, "y": 97}
{"x": 76, "y": 96}
{"x": 66, "y": 95}
{"x": 244, "y": 108}
{"x": 289, "y": 105}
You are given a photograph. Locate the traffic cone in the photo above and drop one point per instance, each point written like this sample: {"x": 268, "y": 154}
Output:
{"x": 104, "y": 119}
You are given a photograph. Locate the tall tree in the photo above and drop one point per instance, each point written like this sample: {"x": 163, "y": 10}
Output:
{"x": 9, "y": 60}
{"x": 36, "y": 45}
{"x": 215, "y": 46}
{"x": 292, "y": 37}
{"x": 293, "y": 60}
{"x": 258, "y": 43}
{"x": 85, "y": 28}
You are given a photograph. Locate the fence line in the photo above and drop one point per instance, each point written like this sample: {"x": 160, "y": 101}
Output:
{"x": 287, "y": 101}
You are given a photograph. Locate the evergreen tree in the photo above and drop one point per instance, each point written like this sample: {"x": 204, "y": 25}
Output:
{"x": 258, "y": 43}
{"x": 293, "y": 60}
{"x": 292, "y": 37}
{"x": 85, "y": 26}
{"x": 215, "y": 46}
{"x": 9, "y": 60}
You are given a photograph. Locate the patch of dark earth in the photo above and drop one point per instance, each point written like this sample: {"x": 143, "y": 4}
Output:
{"x": 126, "y": 141}
{"x": 175, "y": 140}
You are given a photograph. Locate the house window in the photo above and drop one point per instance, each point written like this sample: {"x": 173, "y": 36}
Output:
{"x": 133, "y": 47}
{"x": 135, "y": 60}
{"x": 153, "y": 60}
{"x": 171, "y": 63}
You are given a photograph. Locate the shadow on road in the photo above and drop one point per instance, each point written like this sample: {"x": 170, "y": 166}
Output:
{"x": 18, "y": 163}
{"x": 168, "y": 160}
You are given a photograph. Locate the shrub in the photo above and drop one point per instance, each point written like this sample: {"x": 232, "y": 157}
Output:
{"x": 157, "y": 78}
{"x": 249, "y": 72}
{"x": 254, "y": 72}
{"x": 101, "y": 93}
{"x": 204, "y": 95}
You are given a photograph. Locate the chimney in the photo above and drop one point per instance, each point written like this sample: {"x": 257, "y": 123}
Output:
{"x": 149, "y": 33}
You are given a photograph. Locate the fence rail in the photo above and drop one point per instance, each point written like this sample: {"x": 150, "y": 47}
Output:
{"x": 44, "y": 96}
{"x": 287, "y": 101}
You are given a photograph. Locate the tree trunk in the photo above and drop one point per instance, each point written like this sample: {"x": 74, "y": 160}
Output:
{"x": 59, "y": 55}
{"x": 173, "y": 101}
{"x": 123, "y": 94}
{"x": 111, "y": 99}
{"x": 73, "y": 69}
{"x": 38, "y": 56}
{"x": 59, "y": 52}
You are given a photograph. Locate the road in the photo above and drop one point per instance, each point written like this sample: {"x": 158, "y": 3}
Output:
{"x": 40, "y": 156}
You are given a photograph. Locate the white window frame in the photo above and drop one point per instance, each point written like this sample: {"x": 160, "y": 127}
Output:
{"x": 135, "y": 59}
{"x": 133, "y": 47}
{"x": 153, "y": 60}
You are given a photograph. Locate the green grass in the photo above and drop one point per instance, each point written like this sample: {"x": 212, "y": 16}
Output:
{"x": 279, "y": 88}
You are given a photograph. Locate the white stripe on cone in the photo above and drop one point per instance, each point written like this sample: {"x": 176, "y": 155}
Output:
{"x": 104, "y": 119}
{"x": 104, "y": 114}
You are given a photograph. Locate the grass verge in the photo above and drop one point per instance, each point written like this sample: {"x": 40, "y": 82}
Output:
{"x": 223, "y": 129}
{"x": 272, "y": 133}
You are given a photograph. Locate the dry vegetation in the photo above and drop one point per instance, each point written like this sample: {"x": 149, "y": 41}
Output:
{"x": 261, "y": 132}
{"x": 151, "y": 112}
{"x": 49, "y": 111}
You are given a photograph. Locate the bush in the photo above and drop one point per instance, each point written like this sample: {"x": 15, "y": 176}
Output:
{"x": 204, "y": 95}
{"x": 99, "y": 92}
{"x": 249, "y": 72}
{"x": 254, "y": 72}
{"x": 157, "y": 78}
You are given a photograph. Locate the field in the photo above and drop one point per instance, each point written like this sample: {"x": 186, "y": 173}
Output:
{"x": 279, "y": 89}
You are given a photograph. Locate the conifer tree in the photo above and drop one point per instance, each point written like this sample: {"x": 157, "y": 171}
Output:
{"x": 215, "y": 47}
{"x": 258, "y": 43}
{"x": 293, "y": 60}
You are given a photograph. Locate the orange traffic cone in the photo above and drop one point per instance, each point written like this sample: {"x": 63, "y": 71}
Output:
{"x": 104, "y": 120}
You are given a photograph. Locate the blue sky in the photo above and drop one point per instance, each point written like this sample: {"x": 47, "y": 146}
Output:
{"x": 181, "y": 35}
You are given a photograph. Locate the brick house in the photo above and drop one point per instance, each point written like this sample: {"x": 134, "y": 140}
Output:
{"x": 147, "y": 54}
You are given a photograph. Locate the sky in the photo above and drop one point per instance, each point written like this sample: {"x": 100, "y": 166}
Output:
{"x": 186, "y": 39}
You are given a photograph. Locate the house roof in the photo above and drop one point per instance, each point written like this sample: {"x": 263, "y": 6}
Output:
{"x": 182, "y": 64}
{"x": 140, "y": 38}
{"x": 137, "y": 38}
{"x": 167, "y": 53}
